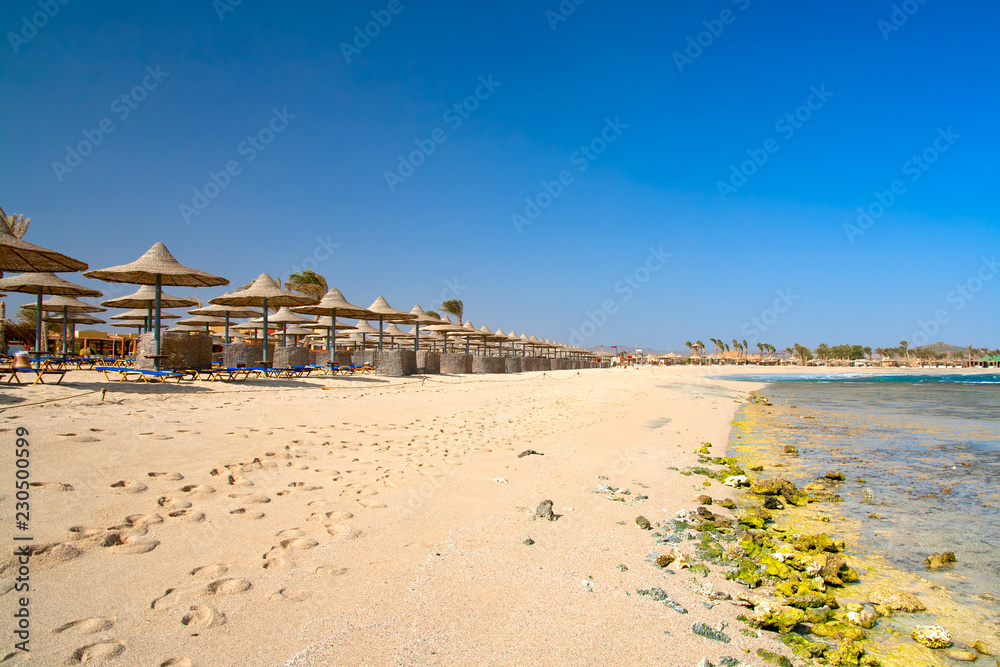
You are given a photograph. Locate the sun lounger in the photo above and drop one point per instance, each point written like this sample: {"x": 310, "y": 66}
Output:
{"x": 136, "y": 374}
{"x": 39, "y": 374}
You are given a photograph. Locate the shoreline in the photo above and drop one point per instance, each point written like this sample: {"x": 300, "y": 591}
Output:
{"x": 889, "y": 641}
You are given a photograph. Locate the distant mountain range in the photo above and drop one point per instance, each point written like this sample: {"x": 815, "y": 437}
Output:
{"x": 943, "y": 348}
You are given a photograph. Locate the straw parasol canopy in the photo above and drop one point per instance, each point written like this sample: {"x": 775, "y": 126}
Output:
{"x": 200, "y": 321}
{"x": 333, "y": 304}
{"x": 19, "y": 255}
{"x": 157, "y": 267}
{"x": 145, "y": 297}
{"x": 137, "y": 313}
{"x": 284, "y": 317}
{"x": 444, "y": 329}
{"x": 134, "y": 324}
{"x": 66, "y": 305}
{"x": 226, "y": 312}
{"x": 421, "y": 318}
{"x": 263, "y": 293}
{"x": 386, "y": 313}
{"x": 394, "y": 332}
{"x": 39, "y": 284}
{"x": 185, "y": 328}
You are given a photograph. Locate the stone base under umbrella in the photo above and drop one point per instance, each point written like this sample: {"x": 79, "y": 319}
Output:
{"x": 183, "y": 351}
{"x": 249, "y": 355}
{"x": 488, "y": 365}
{"x": 456, "y": 363}
{"x": 291, "y": 356}
{"x": 512, "y": 364}
{"x": 391, "y": 363}
{"x": 428, "y": 363}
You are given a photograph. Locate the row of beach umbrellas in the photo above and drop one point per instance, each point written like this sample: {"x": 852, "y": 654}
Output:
{"x": 157, "y": 269}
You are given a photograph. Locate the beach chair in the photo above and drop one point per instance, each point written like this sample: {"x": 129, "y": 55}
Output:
{"x": 146, "y": 376}
{"x": 39, "y": 373}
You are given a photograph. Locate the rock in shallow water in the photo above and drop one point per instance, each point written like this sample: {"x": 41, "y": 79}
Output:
{"x": 931, "y": 636}
{"x": 896, "y": 600}
{"x": 937, "y": 561}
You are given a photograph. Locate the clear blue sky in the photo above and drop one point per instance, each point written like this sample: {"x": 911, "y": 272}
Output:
{"x": 887, "y": 95}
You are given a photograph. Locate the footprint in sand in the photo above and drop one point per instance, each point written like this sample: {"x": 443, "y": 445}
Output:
{"x": 177, "y": 662}
{"x": 336, "y": 515}
{"x": 188, "y": 515}
{"x": 96, "y": 652}
{"x": 170, "y": 598}
{"x": 82, "y": 532}
{"x": 304, "y": 486}
{"x": 342, "y": 531}
{"x": 203, "y": 616}
{"x": 85, "y": 438}
{"x": 290, "y": 533}
{"x": 52, "y": 486}
{"x": 86, "y": 626}
{"x": 199, "y": 489}
{"x": 259, "y": 498}
{"x": 132, "y": 547}
{"x": 298, "y": 543}
{"x": 143, "y": 520}
{"x": 370, "y": 504}
{"x": 210, "y": 571}
{"x": 166, "y": 476}
{"x": 129, "y": 487}
{"x": 290, "y": 594}
{"x": 46, "y": 555}
{"x": 237, "y": 480}
{"x": 228, "y": 586}
{"x": 245, "y": 513}
{"x": 173, "y": 503}
{"x": 330, "y": 571}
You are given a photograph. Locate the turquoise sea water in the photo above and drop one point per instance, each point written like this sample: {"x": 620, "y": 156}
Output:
{"x": 920, "y": 451}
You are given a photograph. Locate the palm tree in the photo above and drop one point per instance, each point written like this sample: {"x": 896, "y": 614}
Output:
{"x": 868, "y": 351}
{"x": 746, "y": 348}
{"x": 701, "y": 346}
{"x": 689, "y": 346}
{"x": 433, "y": 313}
{"x": 454, "y": 307}
{"x": 905, "y": 347}
{"x": 309, "y": 283}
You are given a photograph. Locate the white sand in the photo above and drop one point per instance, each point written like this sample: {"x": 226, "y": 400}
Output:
{"x": 361, "y": 524}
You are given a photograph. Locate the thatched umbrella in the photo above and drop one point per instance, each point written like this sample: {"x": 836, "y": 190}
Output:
{"x": 295, "y": 331}
{"x": 186, "y": 328}
{"x": 387, "y": 313}
{"x": 263, "y": 293}
{"x": 444, "y": 329}
{"x": 199, "y": 321}
{"x": 66, "y": 305}
{"x": 501, "y": 339}
{"x": 225, "y": 312}
{"x": 363, "y": 329}
{"x": 69, "y": 322}
{"x": 284, "y": 317}
{"x": 394, "y": 333}
{"x": 422, "y": 318}
{"x": 326, "y": 322}
{"x": 157, "y": 267}
{"x": 145, "y": 297}
{"x": 39, "y": 284}
{"x": 333, "y": 304}
{"x": 19, "y": 255}
{"x": 140, "y": 314}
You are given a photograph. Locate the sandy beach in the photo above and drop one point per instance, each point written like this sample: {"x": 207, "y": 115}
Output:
{"x": 367, "y": 520}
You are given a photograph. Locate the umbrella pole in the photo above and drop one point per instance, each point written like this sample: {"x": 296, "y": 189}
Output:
{"x": 284, "y": 334}
{"x": 226, "y": 339}
{"x": 264, "y": 357}
{"x": 416, "y": 339}
{"x": 38, "y": 329}
{"x": 149, "y": 317}
{"x": 379, "y": 331}
{"x": 156, "y": 324}
{"x": 65, "y": 330}
{"x": 333, "y": 334}
{"x": 467, "y": 339}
